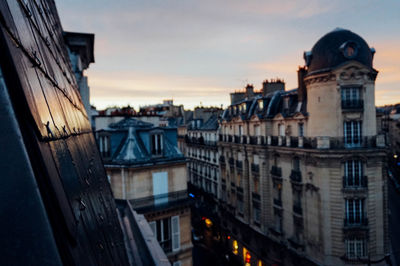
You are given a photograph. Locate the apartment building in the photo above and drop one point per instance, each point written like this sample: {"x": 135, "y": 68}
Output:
{"x": 302, "y": 171}
{"x": 145, "y": 167}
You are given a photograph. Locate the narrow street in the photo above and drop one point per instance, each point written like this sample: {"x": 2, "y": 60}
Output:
{"x": 208, "y": 248}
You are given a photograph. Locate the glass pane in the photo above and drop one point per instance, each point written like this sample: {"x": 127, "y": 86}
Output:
{"x": 166, "y": 229}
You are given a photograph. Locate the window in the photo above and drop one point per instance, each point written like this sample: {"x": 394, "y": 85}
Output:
{"x": 162, "y": 232}
{"x": 160, "y": 187}
{"x": 260, "y": 105}
{"x": 256, "y": 211}
{"x": 296, "y": 164}
{"x": 177, "y": 263}
{"x": 351, "y": 97}
{"x": 297, "y": 202}
{"x": 104, "y": 143}
{"x": 257, "y": 130}
{"x": 301, "y": 130}
{"x": 352, "y": 133}
{"x": 243, "y": 107}
{"x": 278, "y": 221}
{"x": 176, "y": 238}
{"x": 354, "y": 211}
{"x": 240, "y": 130}
{"x": 281, "y": 128}
{"x": 156, "y": 144}
{"x": 240, "y": 203}
{"x": 356, "y": 248}
{"x": 277, "y": 193}
{"x": 353, "y": 173}
{"x": 256, "y": 183}
{"x": 286, "y": 103}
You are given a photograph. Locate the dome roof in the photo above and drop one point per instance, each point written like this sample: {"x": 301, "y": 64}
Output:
{"x": 336, "y": 48}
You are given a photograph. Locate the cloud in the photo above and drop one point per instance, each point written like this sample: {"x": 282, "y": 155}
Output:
{"x": 201, "y": 50}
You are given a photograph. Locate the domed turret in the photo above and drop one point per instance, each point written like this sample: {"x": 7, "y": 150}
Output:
{"x": 336, "y": 48}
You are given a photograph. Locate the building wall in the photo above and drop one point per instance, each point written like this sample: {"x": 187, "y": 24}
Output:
{"x": 138, "y": 182}
{"x": 316, "y": 228}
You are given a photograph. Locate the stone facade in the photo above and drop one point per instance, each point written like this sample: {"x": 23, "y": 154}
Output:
{"x": 145, "y": 167}
{"x": 303, "y": 172}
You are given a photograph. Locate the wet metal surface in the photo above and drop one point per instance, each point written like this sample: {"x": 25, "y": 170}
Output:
{"x": 74, "y": 196}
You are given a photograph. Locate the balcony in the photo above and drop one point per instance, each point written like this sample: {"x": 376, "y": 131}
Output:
{"x": 355, "y": 183}
{"x": 276, "y": 171}
{"x": 253, "y": 140}
{"x": 352, "y": 105}
{"x": 295, "y": 176}
{"x": 352, "y": 223}
{"x": 294, "y": 142}
{"x": 323, "y": 142}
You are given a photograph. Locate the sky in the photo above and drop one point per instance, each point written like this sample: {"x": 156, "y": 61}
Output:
{"x": 197, "y": 52}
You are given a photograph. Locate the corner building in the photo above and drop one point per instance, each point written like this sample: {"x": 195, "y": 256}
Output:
{"x": 146, "y": 168}
{"x": 303, "y": 176}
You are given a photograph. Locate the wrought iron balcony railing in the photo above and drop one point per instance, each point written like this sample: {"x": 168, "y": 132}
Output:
{"x": 355, "y": 182}
{"x": 352, "y": 104}
{"x": 355, "y": 222}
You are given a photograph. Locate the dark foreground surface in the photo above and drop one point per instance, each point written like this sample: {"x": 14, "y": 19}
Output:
{"x": 394, "y": 219}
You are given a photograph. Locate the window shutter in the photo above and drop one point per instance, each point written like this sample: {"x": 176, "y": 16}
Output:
{"x": 176, "y": 238}
{"x": 153, "y": 228}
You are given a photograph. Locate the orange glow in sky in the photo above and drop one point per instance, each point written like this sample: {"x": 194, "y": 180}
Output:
{"x": 199, "y": 51}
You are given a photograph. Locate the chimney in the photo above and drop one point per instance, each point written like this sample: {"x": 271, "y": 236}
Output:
{"x": 301, "y": 91}
{"x": 272, "y": 86}
{"x": 249, "y": 91}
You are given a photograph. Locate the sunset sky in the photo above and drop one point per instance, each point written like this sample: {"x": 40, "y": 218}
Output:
{"x": 199, "y": 51}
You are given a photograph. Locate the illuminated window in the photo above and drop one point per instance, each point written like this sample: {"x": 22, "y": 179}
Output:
{"x": 260, "y": 104}
{"x": 235, "y": 247}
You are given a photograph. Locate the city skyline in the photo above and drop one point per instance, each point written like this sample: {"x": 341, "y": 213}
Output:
{"x": 197, "y": 52}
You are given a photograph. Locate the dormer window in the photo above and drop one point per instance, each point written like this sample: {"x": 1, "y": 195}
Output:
{"x": 301, "y": 130}
{"x": 260, "y": 105}
{"x": 156, "y": 144}
{"x": 243, "y": 107}
{"x": 286, "y": 103}
{"x": 104, "y": 145}
{"x": 281, "y": 129}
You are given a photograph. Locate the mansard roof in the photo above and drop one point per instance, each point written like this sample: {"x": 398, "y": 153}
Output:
{"x": 266, "y": 107}
{"x": 130, "y": 144}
